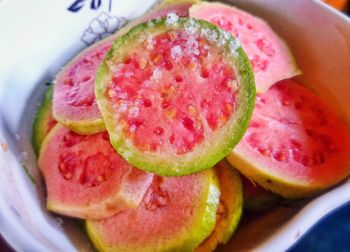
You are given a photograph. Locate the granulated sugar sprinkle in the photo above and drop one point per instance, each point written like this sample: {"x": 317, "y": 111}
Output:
{"x": 171, "y": 19}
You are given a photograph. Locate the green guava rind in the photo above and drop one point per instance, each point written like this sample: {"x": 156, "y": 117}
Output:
{"x": 212, "y": 150}
{"x": 271, "y": 182}
{"x": 83, "y": 127}
{"x": 231, "y": 200}
{"x": 41, "y": 121}
{"x": 189, "y": 238}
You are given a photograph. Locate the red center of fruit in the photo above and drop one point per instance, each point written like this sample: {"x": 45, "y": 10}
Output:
{"x": 308, "y": 138}
{"x": 172, "y": 90}
{"x": 156, "y": 196}
{"x": 87, "y": 169}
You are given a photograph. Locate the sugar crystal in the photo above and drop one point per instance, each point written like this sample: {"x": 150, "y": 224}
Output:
{"x": 176, "y": 52}
{"x": 171, "y": 19}
{"x": 150, "y": 43}
{"x": 235, "y": 45}
{"x": 134, "y": 111}
{"x": 156, "y": 74}
{"x": 191, "y": 27}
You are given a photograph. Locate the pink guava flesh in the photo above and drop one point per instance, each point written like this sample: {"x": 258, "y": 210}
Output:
{"x": 74, "y": 98}
{"x": 172, "y": 92}
{"x": 86, "y": 178}
{"x": 167, "y": 211}
{"x": 43, "y": 122}
{"x": 295, "y": 137}
{"x": 270, "y": 58}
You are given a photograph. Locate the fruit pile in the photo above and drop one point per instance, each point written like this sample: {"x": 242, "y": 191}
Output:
{"x": 134, "y": 134}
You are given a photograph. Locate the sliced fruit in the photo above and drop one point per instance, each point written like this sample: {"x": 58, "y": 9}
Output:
{"x": 295, "y": 145}
{"x": 256, "y": 198}
{"x": 270, "y": 57}
{"x": 43, "y": 121}
{"x": 230, "y": 207}
{"x": 176, "y": 95}
{"x": 74, "y": 103}
{"x": 86, "y": 178}
{"x": 176, "y": 214}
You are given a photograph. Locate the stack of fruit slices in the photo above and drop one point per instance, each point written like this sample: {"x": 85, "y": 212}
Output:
{"x": 146, "y": 117}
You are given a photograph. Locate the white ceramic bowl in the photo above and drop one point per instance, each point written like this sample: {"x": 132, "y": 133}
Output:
{"x": 39, "y": 37}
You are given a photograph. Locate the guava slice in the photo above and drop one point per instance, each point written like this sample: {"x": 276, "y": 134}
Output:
{"x": 86, "y": 178}
{"x": 256, "y": 198}
{"x": 43, "y": 121}
{"x": 74, "y": 103}
{"x": 230, "y": 207}
{"x": 176, "y": 95}
{"x": 270, "y": 57}
{"x": 295, "y": 145}
{"x": 176, "y": 214}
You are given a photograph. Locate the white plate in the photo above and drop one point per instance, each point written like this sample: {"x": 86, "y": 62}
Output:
{"x": 39, "y": 37}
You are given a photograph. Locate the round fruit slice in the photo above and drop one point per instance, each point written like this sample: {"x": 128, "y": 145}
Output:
{"x": 176, "y": 214}
{"x": 74, "y": 103}
{"x": 43, "y": 121}
{"x": 295, "y": 145}
{"x": 86, "y": 178}
{"x": 269, "y": 55}
{"x": 256, "y": 198}
{"x": 229, "y": 209}
{"x": 176, "y": 95}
